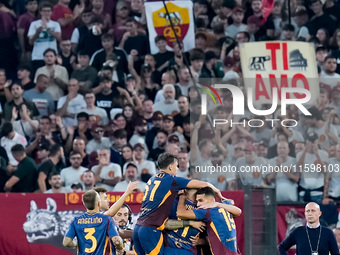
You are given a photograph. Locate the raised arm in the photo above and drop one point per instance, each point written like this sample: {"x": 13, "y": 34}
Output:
{"x": 234, "y": 210}
{"x": 116, "y": 206}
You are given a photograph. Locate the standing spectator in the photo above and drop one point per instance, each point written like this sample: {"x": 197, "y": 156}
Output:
{"x": 25, "y": 126}
{"x": 183, "y": 105}
{"x": 98, "y": 142}
{"x": 75, "y": 172}
{"x": 119, "y": 140}
{"x": 23, "y": 24}
{"x": 209, "y": 69}
{"x": 66, "y": 57}
{"x": 122, "y": 15}
{"x": 169, "y": 105}
{"x": 196, "y": 60}
{"x": 141, "y": 129}
{"x": 146, "y": 168}
{"x": 163, "y": 57}
{"x": 162, "y": 139}
{"x": 321, "y": 53}
{"x": 157, "y": 121}
{"x": 40, "y": 97}
{"x": 64, "y": 16}
{"x": 83, "y": 72}
{"x": 312, "y": 238}
{"x": 311, "y": 185}
{"x": 54, "y": 164}
{"x": 98, "y": 9}
{"x": 91, "y": 109}
{"x": 183, "y": 165}
{"x": 328, "y": 75}
{"x": 228, "y": 66}
{"x": 131, "y": 175}
{"x": 57, "y": 74}
{"x": 184, "y": 80}
{"x": 128, "y": 42}
{"x": 107, "y": 174}
{"x": 99, "y": 57}
{"x": 24, "y": 75}
{"x": 89, "y": 180}
{"x": 267, "y": 27}
{"x": 331, "y": 190}
{"x": 284, "y": 180}
{"x": 25, "y": 177}
{"x": 9, "y": 139}
{"x": 237, "y": 25}
{"x": 17, "y": 92}
{"x": 43, "y": 34}
{"x": 87, "y": 36}
{"x": 68, "y": 106}
{"x": 54, "y": 180}
{"x": 320, "y": 19}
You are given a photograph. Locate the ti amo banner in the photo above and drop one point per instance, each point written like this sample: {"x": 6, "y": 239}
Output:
{"x": 158, "y": 21}
{"x": 280, "y": 64}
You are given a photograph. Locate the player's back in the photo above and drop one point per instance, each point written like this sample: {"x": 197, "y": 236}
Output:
{"x": 221, "y": 230}
{"x": 93, "y": 233}
{"x": 160, "y": 192}
{"x": 180, "y": 238}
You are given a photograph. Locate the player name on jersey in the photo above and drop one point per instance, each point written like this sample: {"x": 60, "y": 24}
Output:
{"x": 90, "y": 220}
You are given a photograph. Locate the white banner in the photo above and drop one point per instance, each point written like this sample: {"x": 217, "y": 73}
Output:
{"x": 181, "y": 15}
{"x": 279, "y": 64}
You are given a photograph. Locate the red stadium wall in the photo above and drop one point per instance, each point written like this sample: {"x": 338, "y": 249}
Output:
{"x": 35, "y": 223}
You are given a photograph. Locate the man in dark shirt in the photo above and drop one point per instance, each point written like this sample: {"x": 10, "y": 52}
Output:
{"x": 129, "y": 42}
{"x": 24, "y": 178}
{"x": 183, "y": 105}
{"x": 311, "y": 239}
{"x": 53, "y": 164}
{"x": 163, "y": 56}
{"x": 320, "y": 19}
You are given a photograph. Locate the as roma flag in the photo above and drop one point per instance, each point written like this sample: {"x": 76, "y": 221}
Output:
{"x": 180, "y": 14}
{"x": 267, "y": 7}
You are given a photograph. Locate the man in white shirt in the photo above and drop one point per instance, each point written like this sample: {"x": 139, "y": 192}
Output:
{"x": 75, "y": 172}
{"x": 43, "y": 34}
{"x": 328, "y": 75}
{"x": 91, "y": 109}
{"x": 68, "y": 106}
{"x": 183, "y": 165}
{"x": 107, "y": 174}
{"x": 131, "y": 175}
{"x": 98, "y": 142}
{"x": 54, "y": 180}
{"x": 169, "y": 105}
{"x": 9, "y": 139}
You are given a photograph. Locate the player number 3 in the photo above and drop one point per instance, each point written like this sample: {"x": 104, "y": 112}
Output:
{"x": 89, "y": 236}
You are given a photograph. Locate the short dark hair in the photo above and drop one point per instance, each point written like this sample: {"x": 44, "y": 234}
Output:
{"x": 160, "y": 38}
{"x": 83, "y": 53}
{"x": 89, "y": 199}
{"x": 329, "y": 57}
{"x": 100, "y": 189}
{"x": 40, "y": 76}
{"x": 90, "y": 171}
{"x": 72, "y": 153}
{"x": 163, "y": 131}
{"x": 119, "y": 115}
{"x": 50, "y": 50}
{"x": 165, "y": 159}
{"x": 207, "y": 191}
{"x": 45, "y": 4}
{"x": 53, "y": 173}
{"x": 7, "y": 128}
{"x": 18, "y": 148}
{"x": 45, "y": 117}
{"x": 25, "y": 66}
{"x": 83, "y": 115}
{"x": 107, "y": 37}
{"x": 54, "y": 149}
{"x": 17, "y": 83}
{"x": 120, "y": 133}
{"x": 129, "y": 20}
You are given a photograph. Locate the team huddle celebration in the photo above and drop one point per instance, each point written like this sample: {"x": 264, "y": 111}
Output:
{"x": 217, "y": 121}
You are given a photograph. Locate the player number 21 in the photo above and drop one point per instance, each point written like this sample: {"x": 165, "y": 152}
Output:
{"x": 153, "y": 191}
{"x": 89, "y": 236}
{"x": 230, "y": 221}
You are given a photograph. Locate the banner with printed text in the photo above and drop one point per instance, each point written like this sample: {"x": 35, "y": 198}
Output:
{"x": 280, "y": 64}
{"x": 158, "y": 21}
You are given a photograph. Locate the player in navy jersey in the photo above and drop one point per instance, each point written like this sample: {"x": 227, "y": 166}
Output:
{"x": 179, "y": 241}
{"x": 160, "y": 192}
{"x": 218, "y": 217}
{"x": 92, "y": 229}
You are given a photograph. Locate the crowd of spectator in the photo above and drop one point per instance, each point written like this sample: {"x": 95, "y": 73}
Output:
{"x": 85, "y": 104}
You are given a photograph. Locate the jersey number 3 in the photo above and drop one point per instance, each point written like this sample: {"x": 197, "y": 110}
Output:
{"x": 153, "y": 190}
{"x": 89, "y": 236}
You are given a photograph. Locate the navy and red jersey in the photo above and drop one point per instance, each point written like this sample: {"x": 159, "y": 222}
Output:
{"x": 160, "y": 192}
{"x": 93, "y": 233}
{"x": 180, "y": 238}
{"x": 221, "y": 229}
